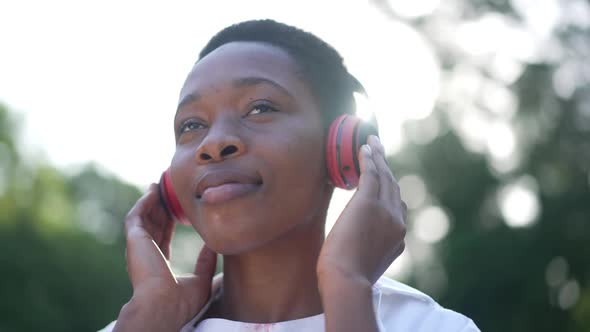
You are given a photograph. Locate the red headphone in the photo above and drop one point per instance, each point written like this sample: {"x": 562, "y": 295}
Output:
{"x": 345, "y": 137}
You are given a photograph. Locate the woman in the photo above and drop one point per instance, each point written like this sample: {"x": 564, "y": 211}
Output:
{"x": 250, "y": 175}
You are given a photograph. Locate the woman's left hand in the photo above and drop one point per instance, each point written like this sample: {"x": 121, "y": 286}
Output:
{"x": 369, "y": 234}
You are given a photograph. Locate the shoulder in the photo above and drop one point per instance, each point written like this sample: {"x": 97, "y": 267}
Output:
{"x": 403, "y": 308}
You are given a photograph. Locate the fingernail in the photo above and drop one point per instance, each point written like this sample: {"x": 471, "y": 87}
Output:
{"x": 381, "y": 146}
{"x": 376, "y": 142}
{"x": 367, "y": 149}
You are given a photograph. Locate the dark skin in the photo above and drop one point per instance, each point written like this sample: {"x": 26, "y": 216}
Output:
{"x": 246, "y": 108}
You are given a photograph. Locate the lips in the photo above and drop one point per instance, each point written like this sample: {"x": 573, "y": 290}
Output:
{"x": 218, "y": 186}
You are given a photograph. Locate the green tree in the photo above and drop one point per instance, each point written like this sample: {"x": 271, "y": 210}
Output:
{"x": 505, "y": 275}
{"x": 62, "y": 261}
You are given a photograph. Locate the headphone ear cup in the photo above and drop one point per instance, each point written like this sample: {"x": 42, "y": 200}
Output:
{"x": 332, "y": 151}
{"x": 169, "y": 199}
{"x": 346, "y": 135}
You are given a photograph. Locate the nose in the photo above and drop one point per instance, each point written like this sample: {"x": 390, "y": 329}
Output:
{"x": 221, "y": 143}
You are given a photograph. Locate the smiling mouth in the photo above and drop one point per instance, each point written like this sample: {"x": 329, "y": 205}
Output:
{"x": 228, "y": 191}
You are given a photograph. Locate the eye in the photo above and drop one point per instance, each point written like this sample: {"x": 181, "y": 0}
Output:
{"x": 190, "y": 125}
{"x": 262, "y": 108}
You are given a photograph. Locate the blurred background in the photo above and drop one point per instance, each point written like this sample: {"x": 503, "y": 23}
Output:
{"x": 483, "y": 105}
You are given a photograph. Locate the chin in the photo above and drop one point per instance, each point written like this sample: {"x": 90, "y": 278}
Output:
{"x": 228, "y": 246}
{"x": 246, "y": 233}
{"x": 233, "y": 235}
{"x": 252, "y": 223}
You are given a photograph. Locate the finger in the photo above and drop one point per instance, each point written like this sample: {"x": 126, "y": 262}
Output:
{"x": 206, "y": 263}
{"x": 136, "y": 215}
{"x": 399, "y": 250}
{"x": 390, "y": 257}
{"x": 144, "y": 258}
{"x": 164, "y": 226}
{"x": 154, "y": 219}
{"x": 381, "y": 149}
{"x": 405, "y": 212}
{"x": 369, "y": 179}
{"x": 217, "y": 281}
{"x": 201, "y": 281}
{"x": 165, "y": 244}
{"x": 389, "y": 189}
{"x": 144, "y": 203}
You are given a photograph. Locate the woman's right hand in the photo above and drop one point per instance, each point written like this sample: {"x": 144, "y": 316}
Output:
{"x": 160, "y": 301}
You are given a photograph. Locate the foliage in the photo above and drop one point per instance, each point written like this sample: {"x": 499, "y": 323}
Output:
{"x": 534, "y": 276}
{"x": 57, "y": 274}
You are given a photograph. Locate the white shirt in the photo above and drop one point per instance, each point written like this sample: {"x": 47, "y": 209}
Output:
{"x": 398, "y": 307}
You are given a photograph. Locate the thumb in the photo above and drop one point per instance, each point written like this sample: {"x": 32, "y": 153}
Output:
{"x": 206, "y": 264}
{"x": 199, "y": 284}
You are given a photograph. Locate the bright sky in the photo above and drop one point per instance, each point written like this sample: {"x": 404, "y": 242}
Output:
{"x": 99, "y": 81}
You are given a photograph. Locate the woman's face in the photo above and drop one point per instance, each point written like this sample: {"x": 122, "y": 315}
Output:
{"x": 249, "y": 163}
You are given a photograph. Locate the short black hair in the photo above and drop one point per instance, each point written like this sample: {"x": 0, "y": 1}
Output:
{"x": 322, "y": 65}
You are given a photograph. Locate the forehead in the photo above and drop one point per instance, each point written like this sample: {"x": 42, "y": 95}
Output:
{"x": 235, "y": 61}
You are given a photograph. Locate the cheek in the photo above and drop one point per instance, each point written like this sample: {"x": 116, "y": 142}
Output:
{"x": 178, "y": 165}
{"x": 303, "y": 161}
{"x": 183, "y": 174}
{"x": 299, "y": 172}
{"x": 299, "y": 152}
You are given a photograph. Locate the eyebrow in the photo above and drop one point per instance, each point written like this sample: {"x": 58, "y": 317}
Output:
{"x": 238, "y": 83}
{"x": 191, "y": 97}
{"x": 252, "y": 81}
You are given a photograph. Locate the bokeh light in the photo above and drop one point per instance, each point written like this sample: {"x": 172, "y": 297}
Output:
{"x": 556, "y": 272}
{"x": 569, "y": 294}
{"x": 519, "y": 203}
{"x": 413, "y": 190}
{"x": 431, "y": 224}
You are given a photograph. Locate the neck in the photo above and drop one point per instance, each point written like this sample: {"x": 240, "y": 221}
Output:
{"x": 274, "y": 283}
